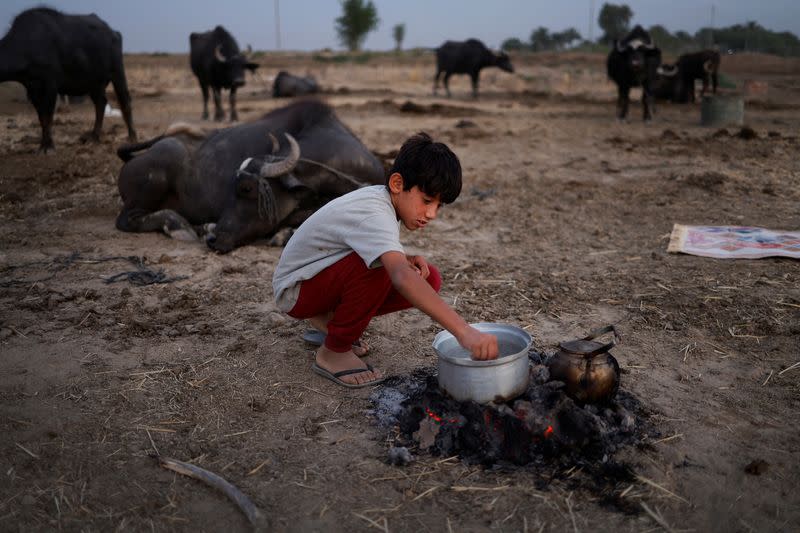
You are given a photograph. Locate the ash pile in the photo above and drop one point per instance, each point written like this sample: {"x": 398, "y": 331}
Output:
{"x": 543, "y": 426}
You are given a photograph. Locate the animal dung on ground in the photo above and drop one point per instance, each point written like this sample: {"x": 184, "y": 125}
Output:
{"x": 757, "y": 467}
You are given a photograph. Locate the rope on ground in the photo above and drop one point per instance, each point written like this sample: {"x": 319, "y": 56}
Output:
{"x": 143, "y": 275}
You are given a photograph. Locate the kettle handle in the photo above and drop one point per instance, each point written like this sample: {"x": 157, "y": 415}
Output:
{"x": 602, "y": 331}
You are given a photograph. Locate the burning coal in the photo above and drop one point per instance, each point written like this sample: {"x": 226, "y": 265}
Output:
{"x": 543, "y": 425}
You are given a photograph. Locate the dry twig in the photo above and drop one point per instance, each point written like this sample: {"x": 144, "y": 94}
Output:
{"x": 657, "y": 517}
{"x": 253, "y": 514}
{"x": 26, "y": 450}
{"x": 656, "y": 485}
{"x": 666, "y": 439}
{"x": 789, "y": 368}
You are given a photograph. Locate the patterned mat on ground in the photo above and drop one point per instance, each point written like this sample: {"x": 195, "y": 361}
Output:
{"x": 734, "y": 242}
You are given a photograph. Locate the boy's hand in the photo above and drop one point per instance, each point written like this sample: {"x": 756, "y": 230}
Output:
{"x": 483, "y": 346}
{"x": 419, "y": 264}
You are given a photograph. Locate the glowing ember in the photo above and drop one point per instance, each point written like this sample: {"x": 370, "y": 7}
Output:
{"x": 438, "y": 418}
{"x": 548, "y": 432}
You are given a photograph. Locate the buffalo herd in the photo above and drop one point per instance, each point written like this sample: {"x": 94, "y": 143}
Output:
{"x": 264, "y": 177}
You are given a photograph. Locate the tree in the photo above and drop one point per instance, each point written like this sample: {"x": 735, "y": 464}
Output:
{"x": 357, "y": 20}
{"x": 615, "y": 21}
{"x": 563, "y": 39}
{"x": 541, "y": 39}
{"x": 512, "y": 44}
{"x": 399, "y": 33}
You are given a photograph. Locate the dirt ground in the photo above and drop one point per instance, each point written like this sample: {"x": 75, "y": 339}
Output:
{"x": 562, "y": 226}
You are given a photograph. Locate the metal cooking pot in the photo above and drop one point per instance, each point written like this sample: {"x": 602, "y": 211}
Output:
{"x": 498, "y": 380}
{"x": 589, "y": 371}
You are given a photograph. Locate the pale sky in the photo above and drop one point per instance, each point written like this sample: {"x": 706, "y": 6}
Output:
{"x": 165, "y": 25}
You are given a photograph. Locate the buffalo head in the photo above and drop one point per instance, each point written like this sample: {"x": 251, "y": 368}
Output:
{"x": 264, "y": 193}
{"x": 233, "y": 66}
{"x": 504, "y": 62}
{"x": 636, "y": 47}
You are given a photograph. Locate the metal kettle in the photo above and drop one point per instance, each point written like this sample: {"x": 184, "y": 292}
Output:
{"x": 587, "y": 368}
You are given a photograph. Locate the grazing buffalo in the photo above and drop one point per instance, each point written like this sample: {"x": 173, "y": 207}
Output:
{"x": 51, "y": 53}
{"x": 239, "y": 184}
{"x": 703, "y": 66}
{"x": 218, "y": 63}
{"x": 633, "y": 62}
{"x": 467, "y": 57}
{"x": 289, "y": 85}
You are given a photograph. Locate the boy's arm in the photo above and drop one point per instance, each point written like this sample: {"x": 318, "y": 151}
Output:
{"x": 413, "y": 287}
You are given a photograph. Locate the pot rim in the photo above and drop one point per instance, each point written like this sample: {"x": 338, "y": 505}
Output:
{"x": 487, "y": 327}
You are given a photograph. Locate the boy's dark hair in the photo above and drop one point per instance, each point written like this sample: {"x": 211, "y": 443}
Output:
{"x": 429, "y": 165}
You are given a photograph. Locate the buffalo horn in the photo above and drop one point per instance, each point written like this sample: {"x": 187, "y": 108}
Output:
{"x": 218, "y": 54}
{"x": 636, "y": 43}
{"x": 275, "y": 144}
{"x": 620, "y": 47}
{"x": 270, "y": 170}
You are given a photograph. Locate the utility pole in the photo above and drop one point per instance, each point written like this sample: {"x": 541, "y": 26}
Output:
{"x": 591, "y": 20}
{"x": 278, "y": 24}
{"x": 711, "y": 33}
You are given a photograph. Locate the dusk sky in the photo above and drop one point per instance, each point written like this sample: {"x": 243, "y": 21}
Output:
{"x": 165, "y": 25}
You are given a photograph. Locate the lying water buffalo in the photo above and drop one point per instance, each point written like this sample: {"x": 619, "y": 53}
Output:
{"x": 669, "y": 84}
{"x": 286, "y": 85}
{"x": 467, "y": 57}
{"x": 702, "y": 65}
{"x": 633, "y": 62}
{"x": 217, "y": 62}
{"x": 51, "y": 53}
{"x": 237, "y": 183}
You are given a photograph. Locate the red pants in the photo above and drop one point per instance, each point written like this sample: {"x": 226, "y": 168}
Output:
{"x": 355, "y": 294}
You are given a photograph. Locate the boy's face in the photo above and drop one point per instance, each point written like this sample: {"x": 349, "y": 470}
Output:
{"x": 414, "y": 208}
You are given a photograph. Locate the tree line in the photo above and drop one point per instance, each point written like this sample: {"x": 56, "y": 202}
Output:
{"x": 359, "y": 17}
{"x": 615, "y": 21}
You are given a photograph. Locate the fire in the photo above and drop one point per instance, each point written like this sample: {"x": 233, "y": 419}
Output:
{"x": 438, "y": 418}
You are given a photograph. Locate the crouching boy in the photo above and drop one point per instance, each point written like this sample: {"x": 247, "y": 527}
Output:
{"x": 345, "y": 264}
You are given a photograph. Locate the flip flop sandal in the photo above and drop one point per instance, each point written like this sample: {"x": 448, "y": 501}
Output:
{"x": 335, "y": 376}
{"x": 316, "y": 337}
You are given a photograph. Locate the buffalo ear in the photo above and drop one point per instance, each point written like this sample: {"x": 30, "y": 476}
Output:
{"x": 251, "y": 66}
{"x": 247, "y": 187}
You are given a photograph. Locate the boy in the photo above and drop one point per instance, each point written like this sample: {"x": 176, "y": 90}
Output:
{"x": 345, "y": 263}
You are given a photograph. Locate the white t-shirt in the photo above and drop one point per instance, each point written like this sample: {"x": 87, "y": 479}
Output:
{"x": 363, "y": 221}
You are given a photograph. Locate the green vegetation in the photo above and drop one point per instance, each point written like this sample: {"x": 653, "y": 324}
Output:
{"x": 615, "y": 20}
{"x": 357, "y": 20}
{"x": 357, "y": 58}
{"x": 399, "y": 33}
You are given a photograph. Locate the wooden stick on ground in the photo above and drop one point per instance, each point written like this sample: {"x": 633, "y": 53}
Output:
{"x": 657, "y": 517}
{"x": 253, "y": 514}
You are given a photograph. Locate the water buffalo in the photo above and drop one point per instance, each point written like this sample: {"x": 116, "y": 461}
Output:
{"x": 703, "y": 66}
{"x": 467, "y": 57}
{"x": 633, "y": 62}
{"x": 238, "y": 183}
{"x": 289, "y": 85}
{"x": 669, "y": 84}
{"x": 51, "y": 53}
{"x": 218, "y": 63}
